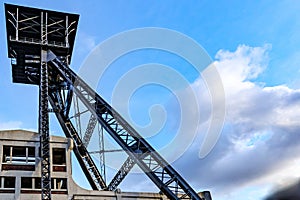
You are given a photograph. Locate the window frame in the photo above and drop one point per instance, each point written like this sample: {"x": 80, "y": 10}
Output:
{"x": 61, "y": 165}
{"x": 3, "y": 180}
{"x": 14, "y": 159}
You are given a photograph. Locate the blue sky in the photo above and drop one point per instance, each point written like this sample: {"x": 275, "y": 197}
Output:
{"x": 255, "y": 46}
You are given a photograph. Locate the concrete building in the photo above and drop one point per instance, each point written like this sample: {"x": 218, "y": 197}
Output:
{"x": 20, "y": 171}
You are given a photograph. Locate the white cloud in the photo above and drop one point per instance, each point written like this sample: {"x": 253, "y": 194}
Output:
{"x": 243, "y": 64}
{"x": 260, "y": 138}
{"x": 261, "y": 133}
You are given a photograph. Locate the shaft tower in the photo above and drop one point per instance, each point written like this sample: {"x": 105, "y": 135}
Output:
{"x": 40, "y": 44}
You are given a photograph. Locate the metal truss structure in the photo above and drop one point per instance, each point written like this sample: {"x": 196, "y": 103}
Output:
{"x": 30, "y": 33}
{"x": 44, "y": 129}
{"x": 40, "y": 44}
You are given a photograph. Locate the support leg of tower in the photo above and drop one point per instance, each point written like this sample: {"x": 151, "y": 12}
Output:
{"x": 44, "y": 128}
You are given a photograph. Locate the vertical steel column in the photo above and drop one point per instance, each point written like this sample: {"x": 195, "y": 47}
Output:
{"x": 101, "y": 152}
{"x": 43, "y": 115}
{"x": 17, "y": 24}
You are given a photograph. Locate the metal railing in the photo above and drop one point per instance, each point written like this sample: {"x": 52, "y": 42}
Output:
{"x": 38, "y": 41}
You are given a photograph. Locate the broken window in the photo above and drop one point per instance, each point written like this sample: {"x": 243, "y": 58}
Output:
{"x": 9, "y": 182}
{"x": 59, "y": 183}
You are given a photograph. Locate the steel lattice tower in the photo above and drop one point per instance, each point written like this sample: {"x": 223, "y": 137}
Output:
{"x": 30, "y": 34}
{"x": 40, "y": 44}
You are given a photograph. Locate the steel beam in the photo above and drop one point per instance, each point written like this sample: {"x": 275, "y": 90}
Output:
{"x": 153, "y": 165}
{"x": 89, "y": 130}
{"x": 44, "y": 132}
{"x": 85, "y": 161}
{"x": 44, "y": 115}
{"x": 121, "y": 174}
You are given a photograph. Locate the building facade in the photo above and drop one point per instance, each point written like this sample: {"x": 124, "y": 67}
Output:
{"x": 20, "y": 171}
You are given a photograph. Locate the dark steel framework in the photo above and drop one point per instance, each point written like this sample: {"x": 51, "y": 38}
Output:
{"x": 40, "y": 44}
{"x": 30, "y": 33}
{"x": 44, "y": 129}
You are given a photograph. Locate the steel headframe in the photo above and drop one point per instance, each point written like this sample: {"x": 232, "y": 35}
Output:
{"x": 31, "y": 33}
{"x": 40, "y": 44}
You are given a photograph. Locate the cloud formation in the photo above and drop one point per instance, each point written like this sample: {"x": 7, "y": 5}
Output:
{"x": 261, "y": 132}
{"x": 259, "y": 143}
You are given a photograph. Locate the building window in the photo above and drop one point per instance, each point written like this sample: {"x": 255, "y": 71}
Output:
{"x": 30, "y": 183}
{"x": 18, "y": 155}
{"x": 59, "y": 156}
{"x": 9, "y": 182}
{"x": 59, "y": 159}
{"x": 37, "y": 183}
{"x": 6, "y": 154}
{"x": 59, "y": 183}
{"x": 26, "y": 182}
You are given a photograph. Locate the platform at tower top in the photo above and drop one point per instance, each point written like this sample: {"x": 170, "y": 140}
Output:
{"x": 30, "y": 29}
